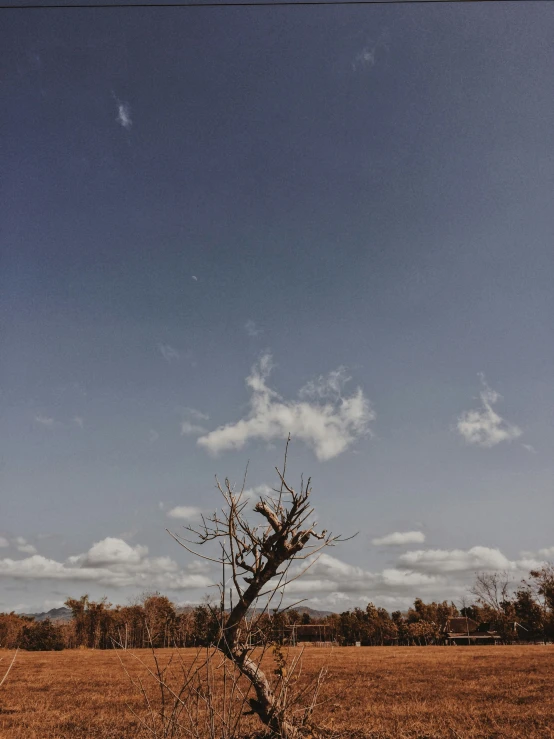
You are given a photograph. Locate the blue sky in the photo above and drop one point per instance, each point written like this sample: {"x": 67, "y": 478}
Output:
{"x": 222, "y": 225}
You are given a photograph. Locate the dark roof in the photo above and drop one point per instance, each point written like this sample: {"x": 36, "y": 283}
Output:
{"x": 461, "y": 625}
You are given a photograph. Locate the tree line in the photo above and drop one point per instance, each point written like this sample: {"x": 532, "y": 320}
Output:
{"x": 526, "y": 612}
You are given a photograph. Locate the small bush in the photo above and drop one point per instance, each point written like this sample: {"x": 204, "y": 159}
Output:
{"x": 42, "y": 636}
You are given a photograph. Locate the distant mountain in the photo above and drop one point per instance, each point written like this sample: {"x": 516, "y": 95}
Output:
{"x": 64, "y": 614}
{"x": 54, "y": 614}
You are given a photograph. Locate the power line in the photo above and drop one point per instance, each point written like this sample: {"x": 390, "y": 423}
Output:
{"x": 252, "y": 4}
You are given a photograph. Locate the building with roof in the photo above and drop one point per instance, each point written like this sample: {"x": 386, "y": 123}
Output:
{"x": 461, "y": 630}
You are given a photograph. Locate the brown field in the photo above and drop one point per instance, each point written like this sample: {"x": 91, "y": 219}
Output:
{"x": 372, "y": 692}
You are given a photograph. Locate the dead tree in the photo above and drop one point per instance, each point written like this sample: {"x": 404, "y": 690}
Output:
{"x": 492, "y": 589}
{"x": 263, "y": 560}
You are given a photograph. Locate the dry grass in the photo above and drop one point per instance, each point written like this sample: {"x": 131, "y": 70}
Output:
{"x": 400, "y": 692}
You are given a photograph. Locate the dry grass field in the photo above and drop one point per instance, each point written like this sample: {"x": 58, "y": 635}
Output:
{"x": 372, "y": 692}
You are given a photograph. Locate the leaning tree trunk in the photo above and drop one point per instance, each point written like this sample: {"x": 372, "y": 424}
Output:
{"x": 257, "y": 555}
{"x": 266, "y": 704}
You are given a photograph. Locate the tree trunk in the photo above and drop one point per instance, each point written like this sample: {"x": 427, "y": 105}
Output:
{"x": 265, "y": 704}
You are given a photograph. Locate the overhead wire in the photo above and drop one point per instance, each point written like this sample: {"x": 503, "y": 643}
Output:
{"x": 248, "y": 4}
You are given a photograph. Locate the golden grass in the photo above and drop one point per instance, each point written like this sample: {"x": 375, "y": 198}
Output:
{"x": 428, "y": 692}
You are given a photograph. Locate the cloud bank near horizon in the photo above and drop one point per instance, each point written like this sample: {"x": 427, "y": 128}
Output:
{"x": 433, "y": 574}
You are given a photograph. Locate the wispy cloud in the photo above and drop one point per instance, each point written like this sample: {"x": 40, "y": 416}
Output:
{"x": 168, "y": 352}
{"x": 24, "y": 546}
{"x": 365, "y": 57}
{"x": 196, "y": 414}
{"x": 185, "y": 512}
{"x": 329, "y": 426}
{"x": 4, "y": 542}
{"x": 252, "y": 329}
{"x": 45, "y": 421}
{"x": 528, "y": 447}
{"x": 195, "y": 278}
{"x": 326, "y": 386}
{"x": 190, "y": 425}
{"x": 153, "y": 436}
{"x": 48, "y": 422}
{"x": 398, "y": 538}
{"x": 484, "y": 427}
{"x": 191, "y": 429}
{"x": 123, "y": 114}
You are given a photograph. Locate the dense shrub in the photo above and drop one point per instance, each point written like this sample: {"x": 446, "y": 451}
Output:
{"x": 42, "y": 636}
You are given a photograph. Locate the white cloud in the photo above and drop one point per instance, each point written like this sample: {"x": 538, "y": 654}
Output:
{"x": 257, "y": 491}
{"x": 124, "y": 114}
{"x": 195, "y": 278}
{"x": 252, "y": 329}
{"x": 529, "y": 448}
{"x": 455, "y": 560}
{"x": 79, "y": 421}
{"x": 110, "y": 562}
{"x": 430, "y": 574}
{"x": 112, "y": 551}
{"x": 4, "y": 542}
{"x": 327, "y": 427}
{"x": 23, "y": 546}
{"x": 185, "y": 512}
{"x": 330, "y": 575}
{"x": 484, "y": 426}
{"x": 400, "y": 537}
{"x": 44, "y": 421}
{"x": 168, "y": 352}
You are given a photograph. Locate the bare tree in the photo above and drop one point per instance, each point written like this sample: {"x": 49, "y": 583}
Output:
{"x": 542, "y": 584}
{"x": 492, "y": 589}
{"x": 263, "y": 559}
